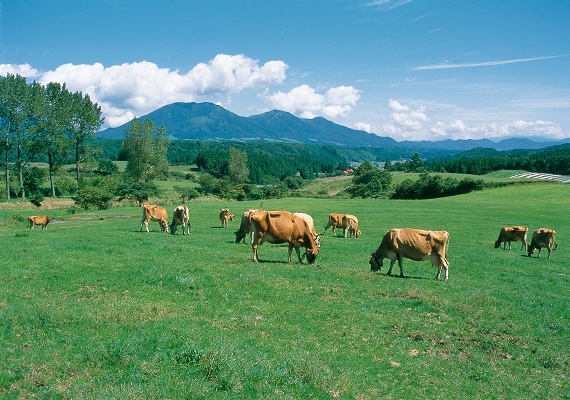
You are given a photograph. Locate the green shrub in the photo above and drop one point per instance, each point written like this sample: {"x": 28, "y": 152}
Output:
{"x": 433, "y": 186}
{"x": 368, "y": 181}
{"x": 94, "y": 197}
{"x": 138, "y": 191}
{"x": 107, "y": 167}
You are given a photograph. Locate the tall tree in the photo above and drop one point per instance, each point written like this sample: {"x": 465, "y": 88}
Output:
{"x": 52, "y": 127}
{"x": 237, "y": 165}
{"x": 145, "y": 147}
{"x": 34, "y": 104}
{"x": 85, "y": 120}
{"x": 13, "y": 90}
{"x": 416, "y": 164}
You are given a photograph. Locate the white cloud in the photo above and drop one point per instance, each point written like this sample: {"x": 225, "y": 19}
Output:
{"x": 387, "y": 4}
{"x": 363, "y": 126}
{"x": 405, "y": 120}
{"x": 24, "y": 70}
{"x": 395, "y": 105}
{"x": 484, "y": 64}
{"x": 298, "y": 100}
{"x": 412, "y": 122}
{"x": 342, "y": 95}
{"x": 134, "y": 89}
{"x": 304, "y": 101}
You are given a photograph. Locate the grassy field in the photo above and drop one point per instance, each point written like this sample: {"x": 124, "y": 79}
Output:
{"x": 332, "y": 186}
{"x": 91, "y": 308}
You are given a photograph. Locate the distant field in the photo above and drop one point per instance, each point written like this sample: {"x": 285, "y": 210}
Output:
{"x": 336, "y": 184}
{"x": 92, "y": 308}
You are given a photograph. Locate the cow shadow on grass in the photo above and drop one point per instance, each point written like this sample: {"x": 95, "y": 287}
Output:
{"x": 406, "y": 277}
{"x": 535, "y": 257}
{"x": 274, "y": 262}
{"x": 331, "y": 236}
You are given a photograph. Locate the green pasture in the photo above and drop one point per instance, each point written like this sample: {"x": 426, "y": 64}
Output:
{"x": 91, "y": 308}
{"x": 332, "y": 186}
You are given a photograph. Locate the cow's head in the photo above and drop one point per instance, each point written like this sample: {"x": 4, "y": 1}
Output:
{"x": 48, "y": 220}
{"x": 240, "y": 235}
{"x": 498, "y": 243}
{"x": 173, "y": 227}
{"x": 312, "y": 255}
{"x": 232, "y": 217}
{"x": 374, "y": 264}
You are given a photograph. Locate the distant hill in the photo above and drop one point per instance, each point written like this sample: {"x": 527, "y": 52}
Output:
{"x": 207, "y": 121}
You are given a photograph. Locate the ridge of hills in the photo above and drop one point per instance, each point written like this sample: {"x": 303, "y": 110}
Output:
{"x": 207, "y": 121}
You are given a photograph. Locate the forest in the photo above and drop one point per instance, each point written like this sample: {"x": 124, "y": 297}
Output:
{"x": 554, "y": 160}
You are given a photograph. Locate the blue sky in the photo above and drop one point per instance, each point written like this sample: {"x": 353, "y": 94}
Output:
{"x": 408, "y": 69}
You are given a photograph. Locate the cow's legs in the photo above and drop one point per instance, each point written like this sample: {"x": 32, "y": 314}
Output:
{"x": 443, "y": 263}
{"x": 299, "y": 255}
{"x": 401, "y": 264}
{"x": 145, "y": 224}
{"x": 392, "y": 262}
{"x": 539, "y": 250}
{"x": 549, "y": 251}
{"x": 523, "y": 245}
{"x": 445, "y": 267}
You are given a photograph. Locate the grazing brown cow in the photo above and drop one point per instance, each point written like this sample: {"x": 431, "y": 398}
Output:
{"x": 226, "y": 216}
{"x": 350, "y": 226}
{"x": 283, "y": 227}
{"x": 414, "y": 244}
{"x": 543, "y": 237}
{"x": 42, "y": 220}
{"x": 512, "y": 234}
{"x": 311, "y": 223}
{"x": 335, "y": 220}
{"x": 181, "y": 216}
{"x": 154, "y": 213}
{"x": 245, "y": 226}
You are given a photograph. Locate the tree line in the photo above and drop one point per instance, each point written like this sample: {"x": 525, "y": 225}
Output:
{"x": 554, "y": 160}
{"x": 47, "y": 122}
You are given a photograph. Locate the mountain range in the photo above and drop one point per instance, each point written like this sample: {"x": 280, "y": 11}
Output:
{"x": 207, "y": 121}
